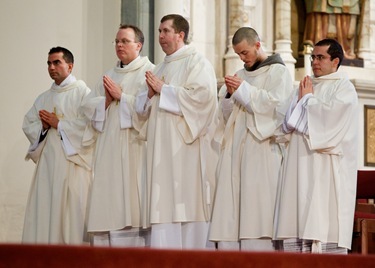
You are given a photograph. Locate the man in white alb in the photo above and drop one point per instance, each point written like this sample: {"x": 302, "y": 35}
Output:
{"x": 180, "y": 103}
{"x": 116, "y": 212}
{"x": 316, "y": 198}
{"x": 56, "y": 209}
{"x": 252, "y": 108}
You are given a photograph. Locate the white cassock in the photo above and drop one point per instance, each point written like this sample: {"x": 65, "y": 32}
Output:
{"x": 180, "y": 157}
{"x": 119, "y": 186}
{"x": 316, "y": 196}
{"x": 251, "y": 155}
{"x": 56, "y": 208}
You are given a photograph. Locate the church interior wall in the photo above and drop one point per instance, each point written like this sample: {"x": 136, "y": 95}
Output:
{"x": 29, "y": 29}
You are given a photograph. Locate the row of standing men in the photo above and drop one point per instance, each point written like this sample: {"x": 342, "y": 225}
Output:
{"x": 154, "y": 157}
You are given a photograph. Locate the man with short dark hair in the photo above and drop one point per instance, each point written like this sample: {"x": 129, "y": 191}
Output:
{"x": 251, "y": 112}
{"x": 316, "y": 199}
{"x": 56, "y": 209}
{"x": 180, "y": 102}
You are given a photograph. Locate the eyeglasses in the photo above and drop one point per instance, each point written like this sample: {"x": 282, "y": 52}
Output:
{"x": 318, "y": 57}
{"x": 122, "y": 41}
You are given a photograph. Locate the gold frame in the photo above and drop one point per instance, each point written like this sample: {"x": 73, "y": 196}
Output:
{"x": 369, "y": 135}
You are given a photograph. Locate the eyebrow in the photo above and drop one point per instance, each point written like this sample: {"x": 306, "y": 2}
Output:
{"x": 54, "y": 62}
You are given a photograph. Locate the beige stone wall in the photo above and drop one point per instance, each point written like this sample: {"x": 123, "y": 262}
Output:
{"x": 28, "y": 30}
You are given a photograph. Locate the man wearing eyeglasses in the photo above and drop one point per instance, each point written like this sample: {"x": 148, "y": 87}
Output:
{"x": 118, "y": 190}
{"x": 316, "y": 198}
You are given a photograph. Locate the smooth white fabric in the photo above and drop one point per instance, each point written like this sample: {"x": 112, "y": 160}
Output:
{"x": 133, "y": 237}
{"x": 188, "y": 235}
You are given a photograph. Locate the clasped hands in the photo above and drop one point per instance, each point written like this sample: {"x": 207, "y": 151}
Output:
{"x": 154, "y": 84}
{"x": 48, "y": 119}
{"x": 112, "y": 90}
{"x": 232, "y": 82}
{"x": 305, "y": 87}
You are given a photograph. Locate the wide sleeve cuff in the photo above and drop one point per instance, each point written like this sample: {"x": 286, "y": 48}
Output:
{"x": 142, "y": 103}
{"x": 168, "y": 100}
{"x": 66, "y": 144}
{"x": 299, "y": 117}
{"x": 99, "y": 116}
{"x": 243, "y": 94}
{"x": 227, "y": 108}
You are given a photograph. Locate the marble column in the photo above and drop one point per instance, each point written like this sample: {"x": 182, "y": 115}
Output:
{"x": 235, "y": 21}
{"x": 308, "y": 48}
{"x": 162, "y": 8}
{"x": 283, "y": 34}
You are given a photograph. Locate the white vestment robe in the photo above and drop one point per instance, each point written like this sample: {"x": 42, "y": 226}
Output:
{"x": 56, "y": 208}
{"x": 180, "y": 158}
{"x": 247, "y": 172}
{"x": 316, "y": 196}
{"x": 119, "y": 169}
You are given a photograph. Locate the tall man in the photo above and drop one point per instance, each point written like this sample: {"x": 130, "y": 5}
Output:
{"x": 118, "y": 191}
{"x": 180, "y": 103}
{"x": 56, "y": 209}
{"x": 318, "y": 181}
{"x": 251, "y": 112}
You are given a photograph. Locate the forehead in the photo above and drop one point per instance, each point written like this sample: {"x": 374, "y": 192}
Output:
{"x": 128, "y": 33}
{"x": 242, "y": 46}
{"x": 56, "y": 56}
{"x": 320, "y": 50}
{"x": 168, "y": 24}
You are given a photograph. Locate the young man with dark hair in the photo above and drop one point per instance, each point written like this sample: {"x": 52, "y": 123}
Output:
{"x": 316, "y": 199}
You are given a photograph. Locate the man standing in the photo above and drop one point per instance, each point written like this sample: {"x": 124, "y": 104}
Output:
{"x": 119, "y": 185}
{"x": 316, "y": 197}
{"x": 251, "y": 113}
{"x": 180, "y": 103}
{"x": 56, "y": 209}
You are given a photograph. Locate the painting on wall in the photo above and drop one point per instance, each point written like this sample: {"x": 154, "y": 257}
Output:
{"x": 369, "y": 135}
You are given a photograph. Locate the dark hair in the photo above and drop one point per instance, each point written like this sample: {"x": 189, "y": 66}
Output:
{"x": 245, "y": 33}
{"x": 180, "y": 24}
{"x": 137, "y": 32}
{"x": 67, "y": 55}
{"x": 334, "y": 49}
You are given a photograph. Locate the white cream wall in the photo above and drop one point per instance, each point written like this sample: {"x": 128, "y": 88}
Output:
{"x": 28, "y": 30}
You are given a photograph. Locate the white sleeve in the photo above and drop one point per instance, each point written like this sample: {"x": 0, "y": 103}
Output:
{"x": 37, "y": 141}
{"x": 242, "y": 95}
{"x": 142, "y": 103}
{"x": 285, "y": 127}
{"x": 298, "y": 119}
{"x": 125, "y": 113}
{"x": 168, "y": 100}
{"x": 227, "y": 108}
{"x": 66, "y": 144}
{"x": 99, "y": 116}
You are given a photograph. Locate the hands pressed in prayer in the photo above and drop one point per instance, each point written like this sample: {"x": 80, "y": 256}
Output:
{"x": 154, "y": 84}
{"x": 112, "y": 90}
{"x": 305, "y": 87}
{"x": 48, "y": 119}
{"x": 232, "y": 82}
